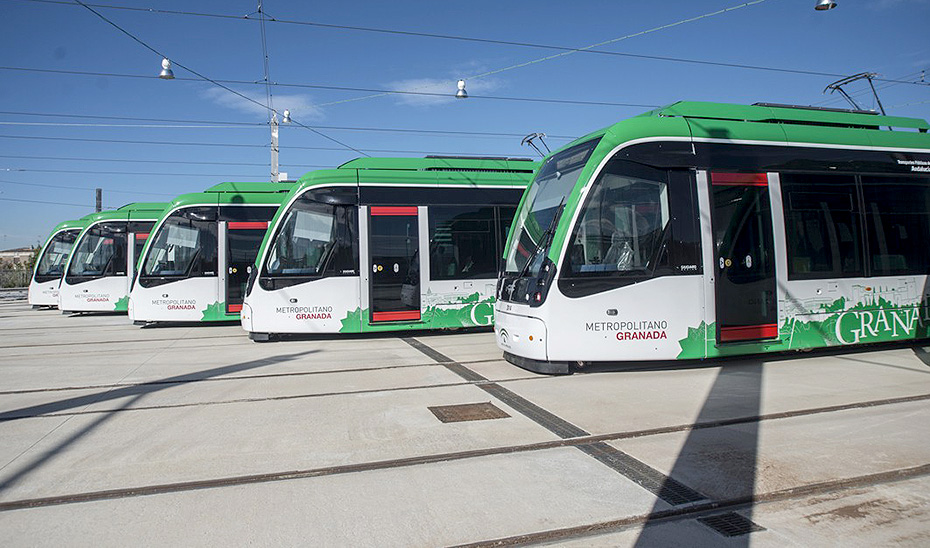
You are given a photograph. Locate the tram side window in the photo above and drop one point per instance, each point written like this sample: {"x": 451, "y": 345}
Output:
{"x": 316, "y": 240}
{"x": 463, "y": 242}
{"x": 821, "y": 226}
{"x": 897, "y": 219}
{"x": 624, "y": 223}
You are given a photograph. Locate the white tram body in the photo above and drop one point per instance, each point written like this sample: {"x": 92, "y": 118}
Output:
{"x": 702, "y": 230}
{"x": 49, "y": 268}
{"x": 102, "y": 263}
{"x": 384, "y": 244}
{"x": 196, "y": 264}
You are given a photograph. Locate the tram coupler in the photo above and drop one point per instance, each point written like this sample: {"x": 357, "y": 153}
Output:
{"x": 540, "y": 366}
{"x": 261, "y": 337}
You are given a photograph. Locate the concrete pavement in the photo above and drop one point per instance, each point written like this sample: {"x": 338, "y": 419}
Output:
{"x": 194, "y": 435}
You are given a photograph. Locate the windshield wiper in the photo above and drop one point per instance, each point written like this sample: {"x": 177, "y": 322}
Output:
{"x": 544, "y": 239}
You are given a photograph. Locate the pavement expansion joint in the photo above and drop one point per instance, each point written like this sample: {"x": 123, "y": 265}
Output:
{"x": 666, "y": 488}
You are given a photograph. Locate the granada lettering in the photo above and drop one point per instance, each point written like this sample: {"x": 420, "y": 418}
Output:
{"x": 307, "y": 312}
{"x": 640, "y": 335}
{"x": 857, "y": 326}
{"x": 320, "y": 316}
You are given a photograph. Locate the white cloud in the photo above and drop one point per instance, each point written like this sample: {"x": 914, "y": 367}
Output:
{"x": 444, "y": 87}
{"x": 302, "y": 106}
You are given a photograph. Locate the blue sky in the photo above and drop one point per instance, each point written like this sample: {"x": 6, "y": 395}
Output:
{"x": 43, "y": 142}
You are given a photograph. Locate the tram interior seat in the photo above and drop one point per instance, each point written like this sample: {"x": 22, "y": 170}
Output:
{"x": 298, "y": 256}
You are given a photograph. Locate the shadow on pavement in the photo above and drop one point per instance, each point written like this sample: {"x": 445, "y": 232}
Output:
{"x": 136, "y": 392}
{"x": 719, "y": 462}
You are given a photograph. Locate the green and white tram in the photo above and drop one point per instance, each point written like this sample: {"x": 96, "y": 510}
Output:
{"x": 196, "y": 265}
{"x": 103, "y": 261}
{"x": 383, "y": 244}
{"x": 46, "y": 277}
{"x": 701, "y": 230}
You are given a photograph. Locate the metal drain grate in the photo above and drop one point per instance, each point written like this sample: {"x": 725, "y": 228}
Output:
{"x": 468, "y": 412}
{"x": 731, "y": 524}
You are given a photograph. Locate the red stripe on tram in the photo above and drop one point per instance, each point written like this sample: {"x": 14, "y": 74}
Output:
{"x": 739, "y": 179}
{"x": 140, "y": 236}
{"x": 234, "y": 308}
{"x": 395, "y": 316}
{"x": 244, "y": 225}
{"x": 749, "y": 332}
{"x": 394, "y": 210}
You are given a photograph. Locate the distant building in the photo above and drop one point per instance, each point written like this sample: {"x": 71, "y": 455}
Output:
{"x": 16, "y": 258}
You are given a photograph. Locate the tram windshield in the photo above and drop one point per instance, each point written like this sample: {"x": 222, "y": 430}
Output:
{"x": 545, "y": 198}
{"x": 55, "y": 255}
{"x": 315, "y": 238}
{"x": 101, "y": 252}
{"x": 623, "y": 224}
{"x": 184, "y": 246}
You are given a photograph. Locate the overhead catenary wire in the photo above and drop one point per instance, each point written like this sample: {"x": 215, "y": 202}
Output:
{"x": 470, "y": 38}
{"x": 158, "y": 161}
{"x": 50, "y": 203}
{"x": 133, "y": 118}
{"x": 134, "y": 126}
{"x": 229, "y": 145}
{"x": 109, "y": 190}
{"x": 195, "y": 73}
{"x": 431, "y": 132}
{"x": 243, "y": 164}
{"x": 339, "y": 88}
{"x": 155, "y": 173}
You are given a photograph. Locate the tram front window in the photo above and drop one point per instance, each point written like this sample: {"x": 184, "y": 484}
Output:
{"x": 315, "y": 239}
{"x": 622, "y": 225}
{"x": 183, "y": 247}
{"x": 55, "y": 256}
{"x": 101, "y": 252}
{"x": 545, "y": 197}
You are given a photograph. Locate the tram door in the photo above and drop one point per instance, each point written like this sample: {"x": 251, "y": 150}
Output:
{"x": 745, "y": 258}
{"x": 394, "y": 246}
{"x": 242, "y": 242}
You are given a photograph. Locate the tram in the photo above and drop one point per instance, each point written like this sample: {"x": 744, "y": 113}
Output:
{"x": 49, "y": 268}
{"x": 103, "y": 260}
{"x": 701, "y": 230}
{"x": 382, "y": 244}
{"x": 196, "y": 265}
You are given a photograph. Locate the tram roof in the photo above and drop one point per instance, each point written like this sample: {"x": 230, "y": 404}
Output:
{"x": 444, "y": 163}
{"x": 431, "y": 170}
{"x": 137, "y": 210}
{"x": 767, "y": 122}
{"x": 73, "y": 223}
{"x": 250, "y": 187}
{"x": 235, "y": 193}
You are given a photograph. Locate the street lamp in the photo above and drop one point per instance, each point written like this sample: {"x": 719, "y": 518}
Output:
{"x": 166, "y": 73}
{"x": 461, "y": 93}
{"x": 824, "y": 5}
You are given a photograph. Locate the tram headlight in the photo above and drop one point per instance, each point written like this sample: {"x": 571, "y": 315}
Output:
{"x": 538, "y": 288}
